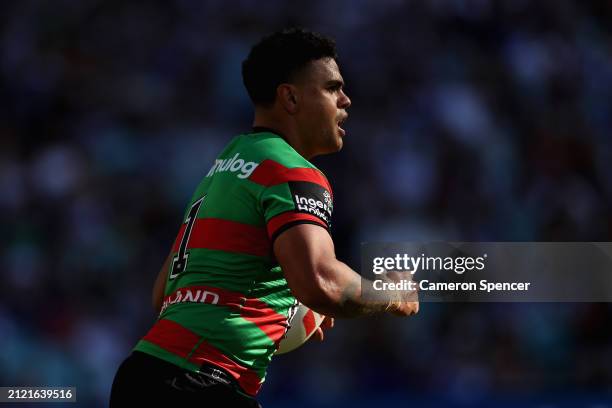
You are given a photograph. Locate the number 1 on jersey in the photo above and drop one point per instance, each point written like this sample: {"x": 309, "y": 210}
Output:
{"x": 179, "y": 261}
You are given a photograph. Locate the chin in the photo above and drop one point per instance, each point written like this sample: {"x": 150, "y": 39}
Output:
{"x": 339, "y": 144}
{"x": 332, "y": 148}
{"x": 331, "y": 143}
{"x": 335, "y": 145}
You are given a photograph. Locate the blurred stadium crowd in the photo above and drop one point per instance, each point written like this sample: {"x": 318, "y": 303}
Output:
{"x": 472, "y": 120}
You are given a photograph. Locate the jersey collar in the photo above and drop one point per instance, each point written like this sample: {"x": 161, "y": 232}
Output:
{"x": 261, "y": 129}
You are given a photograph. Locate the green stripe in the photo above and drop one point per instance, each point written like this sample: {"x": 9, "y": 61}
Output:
{"x": 246, "y": 275}
{"x": 231, "y": 271}
{"x": 275, "y": 292}
{"x": 270, "y": 146}
{"x": 276, "y": 200}
{"x": 232, "y": 201}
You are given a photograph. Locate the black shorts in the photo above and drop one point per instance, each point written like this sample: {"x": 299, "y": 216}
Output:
{"x": 143, "y": 378}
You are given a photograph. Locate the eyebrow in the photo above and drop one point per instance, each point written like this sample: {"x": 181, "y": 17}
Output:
{"x": 334, "y": 83}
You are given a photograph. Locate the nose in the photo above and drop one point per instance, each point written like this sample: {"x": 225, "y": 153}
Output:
{"x": 344, "y": 101}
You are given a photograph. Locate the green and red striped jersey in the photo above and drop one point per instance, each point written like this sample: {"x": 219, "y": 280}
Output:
{"x": 226, "y": 299}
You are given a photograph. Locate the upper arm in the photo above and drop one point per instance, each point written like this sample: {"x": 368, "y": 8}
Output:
{"x": 297, "y": 205}
{"x": 306, "y": 255}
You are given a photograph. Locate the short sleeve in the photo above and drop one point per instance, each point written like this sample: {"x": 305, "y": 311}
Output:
{"x": 299, "y": 196}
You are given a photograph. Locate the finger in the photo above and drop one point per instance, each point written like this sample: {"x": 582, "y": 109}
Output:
{"x": 327, "y": 323}
{"x": 318, "y": 334}
{"x": 414, "y": 309}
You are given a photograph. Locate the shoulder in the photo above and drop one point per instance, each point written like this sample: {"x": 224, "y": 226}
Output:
{"x": 279, "y": 163}
{"x": 269, "y": 146}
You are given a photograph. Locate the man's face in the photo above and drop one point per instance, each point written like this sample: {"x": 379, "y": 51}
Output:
{"x": 323, "y": 105}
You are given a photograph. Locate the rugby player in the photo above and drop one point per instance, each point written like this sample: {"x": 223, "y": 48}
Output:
{"x": 255, "y": 238}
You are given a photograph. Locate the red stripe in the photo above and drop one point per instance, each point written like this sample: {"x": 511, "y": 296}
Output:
{"x": 226, "y": 235}
{"x": 270, "y": 173}
{"x": 181, "y": 341}
{"x": 179, "y": 238}
{"x": 309, "y": 322}
{"x": 266, "y": 318}
{"x": 172, "y": 337}
{"x": 284, "y": 218}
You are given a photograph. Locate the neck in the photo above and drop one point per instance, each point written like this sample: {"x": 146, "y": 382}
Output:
{"x": 284, "y": 127}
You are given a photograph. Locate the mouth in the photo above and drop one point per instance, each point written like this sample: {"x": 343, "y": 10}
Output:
{"x": 340, "y": 123}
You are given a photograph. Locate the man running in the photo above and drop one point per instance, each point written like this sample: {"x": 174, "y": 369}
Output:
{"x": 255, "y": 238}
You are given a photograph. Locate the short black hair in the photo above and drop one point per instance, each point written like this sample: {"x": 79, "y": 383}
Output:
{"x": 277, "y": 58}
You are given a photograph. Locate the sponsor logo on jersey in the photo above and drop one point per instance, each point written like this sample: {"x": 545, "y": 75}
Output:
{"x": 188, "y": 295}
{"x": 233, "y": 165}
{"x": 312, "y": 198}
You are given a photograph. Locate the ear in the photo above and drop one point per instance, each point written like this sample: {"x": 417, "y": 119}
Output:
{"x": 288, "y": 97}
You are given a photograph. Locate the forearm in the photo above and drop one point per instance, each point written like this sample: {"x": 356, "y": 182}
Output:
{"x": 344, "y": 293}
{"x": 323, "y": 283}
